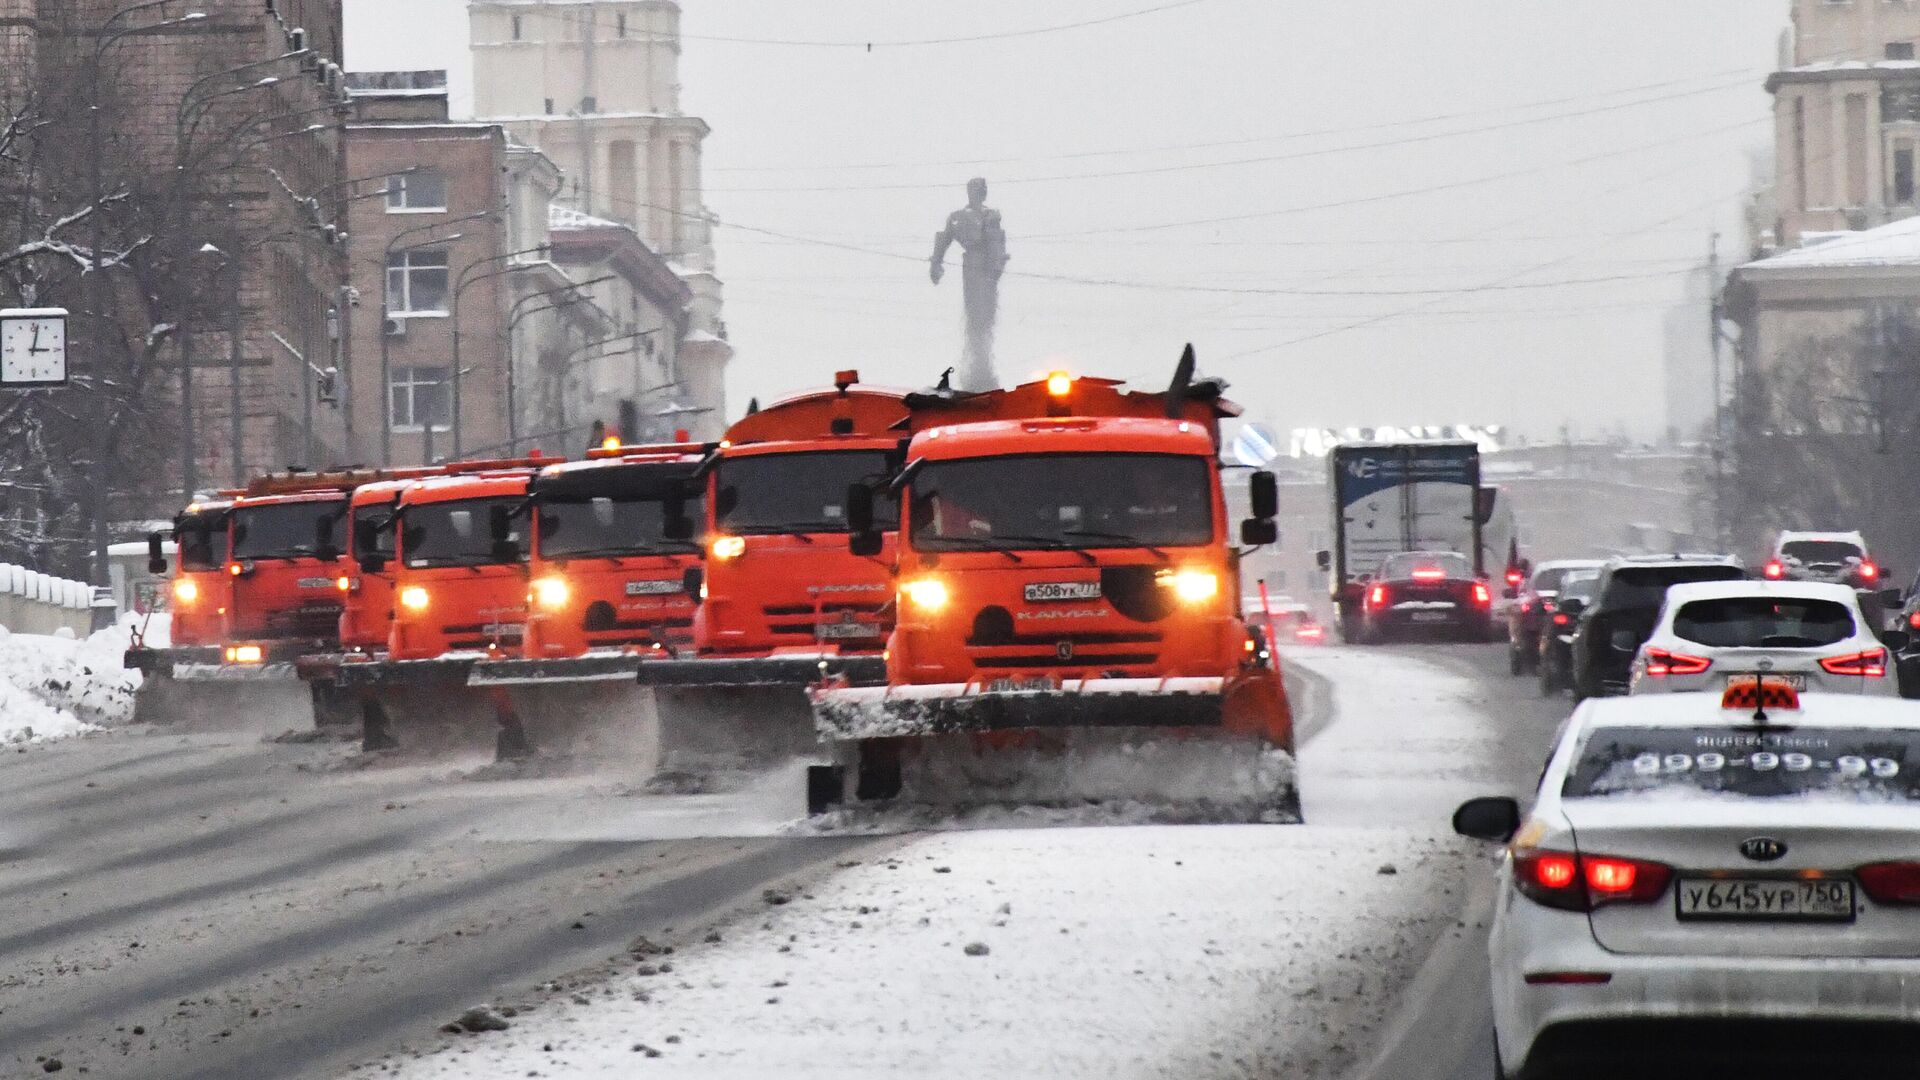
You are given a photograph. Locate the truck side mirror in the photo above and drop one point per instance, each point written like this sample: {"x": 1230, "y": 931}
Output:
{"x": 366, "y": 547}
{"x": 694, "y": 583}
{"x": 675, "y": 524}
{"x": 1486, "y": 500}
{"x": 1263, "y": 495}
{"x": 323, "y": 548}
{"x": 156, "y": 554}
{"x": 1258, "y": 532}
{"x": 863, "y": 537}
{"x": 1323, "y": 559}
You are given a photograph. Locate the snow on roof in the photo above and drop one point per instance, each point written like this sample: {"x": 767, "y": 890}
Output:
{"x": 1897, "y": 244}
{"x": 566, "y": 217}
{"x": 1824, "y": 66}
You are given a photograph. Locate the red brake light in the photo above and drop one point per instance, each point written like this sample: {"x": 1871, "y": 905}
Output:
{"x": 1561, "y": 620}
{"x": 1378, "y": 597}
{"x": 1913, "y": 620}
{"x": 1429, "y": 573}
{"x": 1868, "y": 571}
{"x": 1871, "y": 664}
{"x": 1891, "y": 882}
{"x": 1775, "y": 571}
{"x": 1514, "y": 577}
{"x": 1660, "y": 663}
{"x": 1480, "y": 594}
{"x": 1571, "y": 882}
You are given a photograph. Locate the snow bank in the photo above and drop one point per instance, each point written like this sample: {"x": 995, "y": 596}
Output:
{"x": 52, "y": 686}
{"x": 1158, "y": 951}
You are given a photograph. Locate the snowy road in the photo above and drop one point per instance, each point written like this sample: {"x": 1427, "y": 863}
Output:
{"x": 218, "y": 906}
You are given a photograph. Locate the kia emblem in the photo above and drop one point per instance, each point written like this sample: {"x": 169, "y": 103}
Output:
{"x": 1064, "y": 650}
{"x": 1763, "y": 848}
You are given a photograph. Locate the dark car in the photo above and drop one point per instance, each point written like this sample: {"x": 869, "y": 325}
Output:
{"x": 1555, "y": 658}
{"x": 1427, "y": 593}
{"x": 1532, "y": 610}
{"x": 1626, "y": 605}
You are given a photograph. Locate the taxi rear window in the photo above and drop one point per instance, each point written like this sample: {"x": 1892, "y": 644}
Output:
{"x": 1847, "y": 764}
{"x": 1763, "y": 622}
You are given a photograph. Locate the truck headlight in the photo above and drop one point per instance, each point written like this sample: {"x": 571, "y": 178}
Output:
{"x": 551, "y": 593}
{"x": 728, "y": 547}
{"x": 929, "y": 594}
{"x": 185, "y": 591}
{"x": 414, "y": 598}
{"x": 1191, "y": 586}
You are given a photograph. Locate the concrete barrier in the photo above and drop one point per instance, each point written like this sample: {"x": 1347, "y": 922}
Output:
{"x": 35, "y": 603}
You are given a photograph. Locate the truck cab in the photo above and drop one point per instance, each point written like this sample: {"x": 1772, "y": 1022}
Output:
{"x": 459, "y": 580}
{"x": 613, "y": 539}
{"x": 200, "y": 591}
{"x": 366, "y": 615}
{"x": 778, "y": 575}
{"x": 282, "y": 564}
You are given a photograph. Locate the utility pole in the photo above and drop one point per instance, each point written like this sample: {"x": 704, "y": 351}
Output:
{"x": 1716, "y": 310}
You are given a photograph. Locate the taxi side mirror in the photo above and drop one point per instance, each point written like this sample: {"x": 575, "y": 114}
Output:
{"x": 694, "y": 583}
{"x": 863, "y": 536}
{"x": 1491, "y": 819}
{"x": 1263, "y": 496}
{"x": 156, "y": 554}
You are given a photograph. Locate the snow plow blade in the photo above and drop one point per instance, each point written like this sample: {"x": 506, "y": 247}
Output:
{"x": 795, "y": 670}
{"x": 195, "y": 689}
{"x": 593, "y": 667}
{"x": 1199, "y": 749}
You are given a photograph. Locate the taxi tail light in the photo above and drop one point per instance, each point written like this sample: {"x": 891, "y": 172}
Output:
{"x": 1891, "y": 882}
{"x": 1871, "y": 664}
{"x": 1661, "y": 662}
{"x": 1575, "y": 882}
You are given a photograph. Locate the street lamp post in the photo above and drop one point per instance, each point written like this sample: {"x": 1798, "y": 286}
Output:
{"x": 460, "y": 287}
{"x": 514, "y": 317}
{"x": 108, "y": 36}
{"x": 386, "y": 311}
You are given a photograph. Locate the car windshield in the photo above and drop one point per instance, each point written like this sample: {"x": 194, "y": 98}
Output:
{"x": 605, "y": 526}
{"x": 1580, "y": 586}
{"x": 458, "y": 532}
{"x": 1646, "y": 586}
{"x": 1418, "y": 564}
{"x": 1553, "y": 578}
{"x": 1820, "y": 551}
{"x": 285, "y": 530}
{"x": 1064, "y": 501}
{"x": 1821, "y": 763}
{"x": 1753, "y": 622}
{"x": 798, "y": 492}
{"x": 202, "y": 539}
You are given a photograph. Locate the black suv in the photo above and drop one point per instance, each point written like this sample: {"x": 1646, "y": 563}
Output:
{"x": 1626, "y": 606}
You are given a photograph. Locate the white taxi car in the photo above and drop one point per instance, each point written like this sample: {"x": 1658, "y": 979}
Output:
{"x": 1704, "y": 877}
{"x": 1813, "y": 635}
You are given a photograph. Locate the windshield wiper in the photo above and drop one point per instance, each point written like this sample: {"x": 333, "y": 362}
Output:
{"x": 982, "y": 544}
{"x": 1044, "y": 543}
{"x": 1122, "y": 538}
{"x": 614, "y": 553}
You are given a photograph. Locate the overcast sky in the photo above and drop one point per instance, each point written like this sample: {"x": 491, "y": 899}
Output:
{"x": 1390, "y": 212}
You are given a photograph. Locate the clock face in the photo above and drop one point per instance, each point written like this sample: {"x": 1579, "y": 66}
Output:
{"x": 33, "y": 350}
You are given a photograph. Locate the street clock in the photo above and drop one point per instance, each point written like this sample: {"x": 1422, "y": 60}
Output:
{"x": 33, "y": 347}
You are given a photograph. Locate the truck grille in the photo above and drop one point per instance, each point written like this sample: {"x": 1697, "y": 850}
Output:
{"x": 312, "y": 622}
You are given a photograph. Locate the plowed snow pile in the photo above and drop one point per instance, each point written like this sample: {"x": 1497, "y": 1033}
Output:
{"x": 1158, "y": 951}
{"x": 56, "y": 686}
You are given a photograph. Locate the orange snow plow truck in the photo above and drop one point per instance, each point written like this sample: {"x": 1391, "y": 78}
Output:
{"x": 1069, "y": 625}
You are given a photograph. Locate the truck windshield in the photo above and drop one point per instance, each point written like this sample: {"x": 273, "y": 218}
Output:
{"x": 457, "y": 533}
{"x": 578, "y": 528}
{"x": 805, "y": 492}
{"x": 1063, "y": 501}
{"x": 285, "y": 530}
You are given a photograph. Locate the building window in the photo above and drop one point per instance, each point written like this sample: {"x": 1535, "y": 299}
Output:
{"x": 620, "y": 25}
{"x": 1903, "y": 174}
{"x": 589, "y": 105}
{"x": 419, "y": 396}
{"x": 420, "y": 191}
{"x": 1899, "y": 50}
{"x": 516, "y": 28}
{"x": 549, "y": 106}
{"x": 417, "y": 283}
